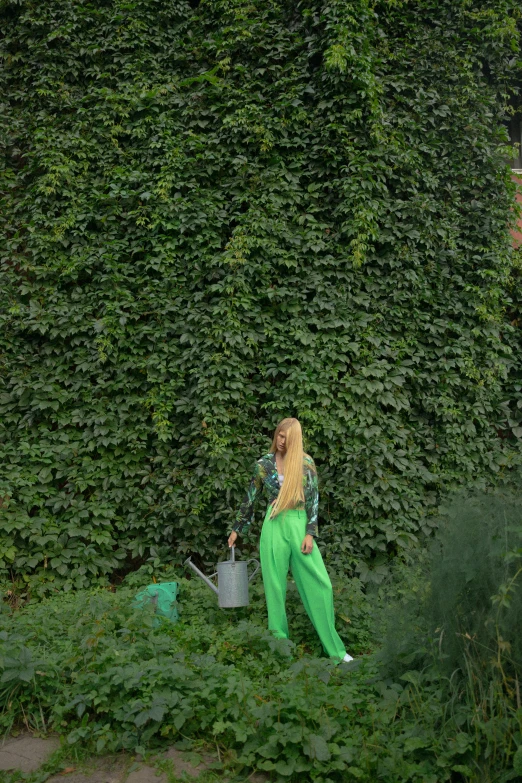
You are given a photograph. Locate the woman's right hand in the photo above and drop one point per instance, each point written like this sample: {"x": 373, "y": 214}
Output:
{"x": 232, "y": 538}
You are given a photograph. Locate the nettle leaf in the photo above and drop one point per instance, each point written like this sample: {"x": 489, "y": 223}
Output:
{"x": 156, "y": 712}
{"x": 414, "y": 743}
{"x": 19, "y": 667}
{"x": 316, "y": 747}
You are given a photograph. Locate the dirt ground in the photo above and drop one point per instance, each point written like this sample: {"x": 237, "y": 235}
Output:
{"x": 28, "y": 754}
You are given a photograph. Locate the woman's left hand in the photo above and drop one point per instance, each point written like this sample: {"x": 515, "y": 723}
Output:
{"x": 307, "y": 545}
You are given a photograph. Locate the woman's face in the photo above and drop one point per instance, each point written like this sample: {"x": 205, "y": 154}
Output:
{"x": 281, "y": 442}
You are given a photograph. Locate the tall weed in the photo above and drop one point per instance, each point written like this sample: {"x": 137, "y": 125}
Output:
{"x": 461, "y": 626}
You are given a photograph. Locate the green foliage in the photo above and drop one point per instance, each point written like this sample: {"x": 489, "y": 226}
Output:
{"x": 458, "y": 621}
{"x": 218, "y": 214}
{"x": 86, "y": 664}
{"x": 513, "y": 388}
{"x": 472, "y": 604}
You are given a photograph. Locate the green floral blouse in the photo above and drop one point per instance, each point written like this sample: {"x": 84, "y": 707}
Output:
{"x": 266, "y": 478}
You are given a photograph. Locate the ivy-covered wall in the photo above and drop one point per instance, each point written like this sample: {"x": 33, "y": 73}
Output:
{"x": 219, "y": 213}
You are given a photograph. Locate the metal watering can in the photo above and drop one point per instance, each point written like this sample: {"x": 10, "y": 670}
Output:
{"x": 232, "y": 578}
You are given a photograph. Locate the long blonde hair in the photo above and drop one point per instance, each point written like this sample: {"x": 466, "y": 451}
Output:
{"x": 291, "y": 492}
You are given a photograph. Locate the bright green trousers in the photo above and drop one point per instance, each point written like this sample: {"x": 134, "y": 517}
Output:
{"x": 279, "y": 549}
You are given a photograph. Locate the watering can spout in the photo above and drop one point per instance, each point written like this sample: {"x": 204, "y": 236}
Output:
{"x": 202, "y": 575}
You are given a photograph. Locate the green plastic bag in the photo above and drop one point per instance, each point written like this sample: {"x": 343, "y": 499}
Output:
{"x": 163, "y": 597}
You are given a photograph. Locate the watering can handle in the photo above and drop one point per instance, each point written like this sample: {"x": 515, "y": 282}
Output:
{"x": 254, "y": 572}
{"x": 233, "y": 553}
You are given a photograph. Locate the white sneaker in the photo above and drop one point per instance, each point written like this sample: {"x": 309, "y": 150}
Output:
{"x": 347, "y": 658}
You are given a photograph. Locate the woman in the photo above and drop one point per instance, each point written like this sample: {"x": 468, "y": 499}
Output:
{"x": 289, "y": 478}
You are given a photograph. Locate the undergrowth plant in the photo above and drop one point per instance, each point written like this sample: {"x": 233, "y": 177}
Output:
{"x": 88, "y": 666}
{"x": 433, "y": 695}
